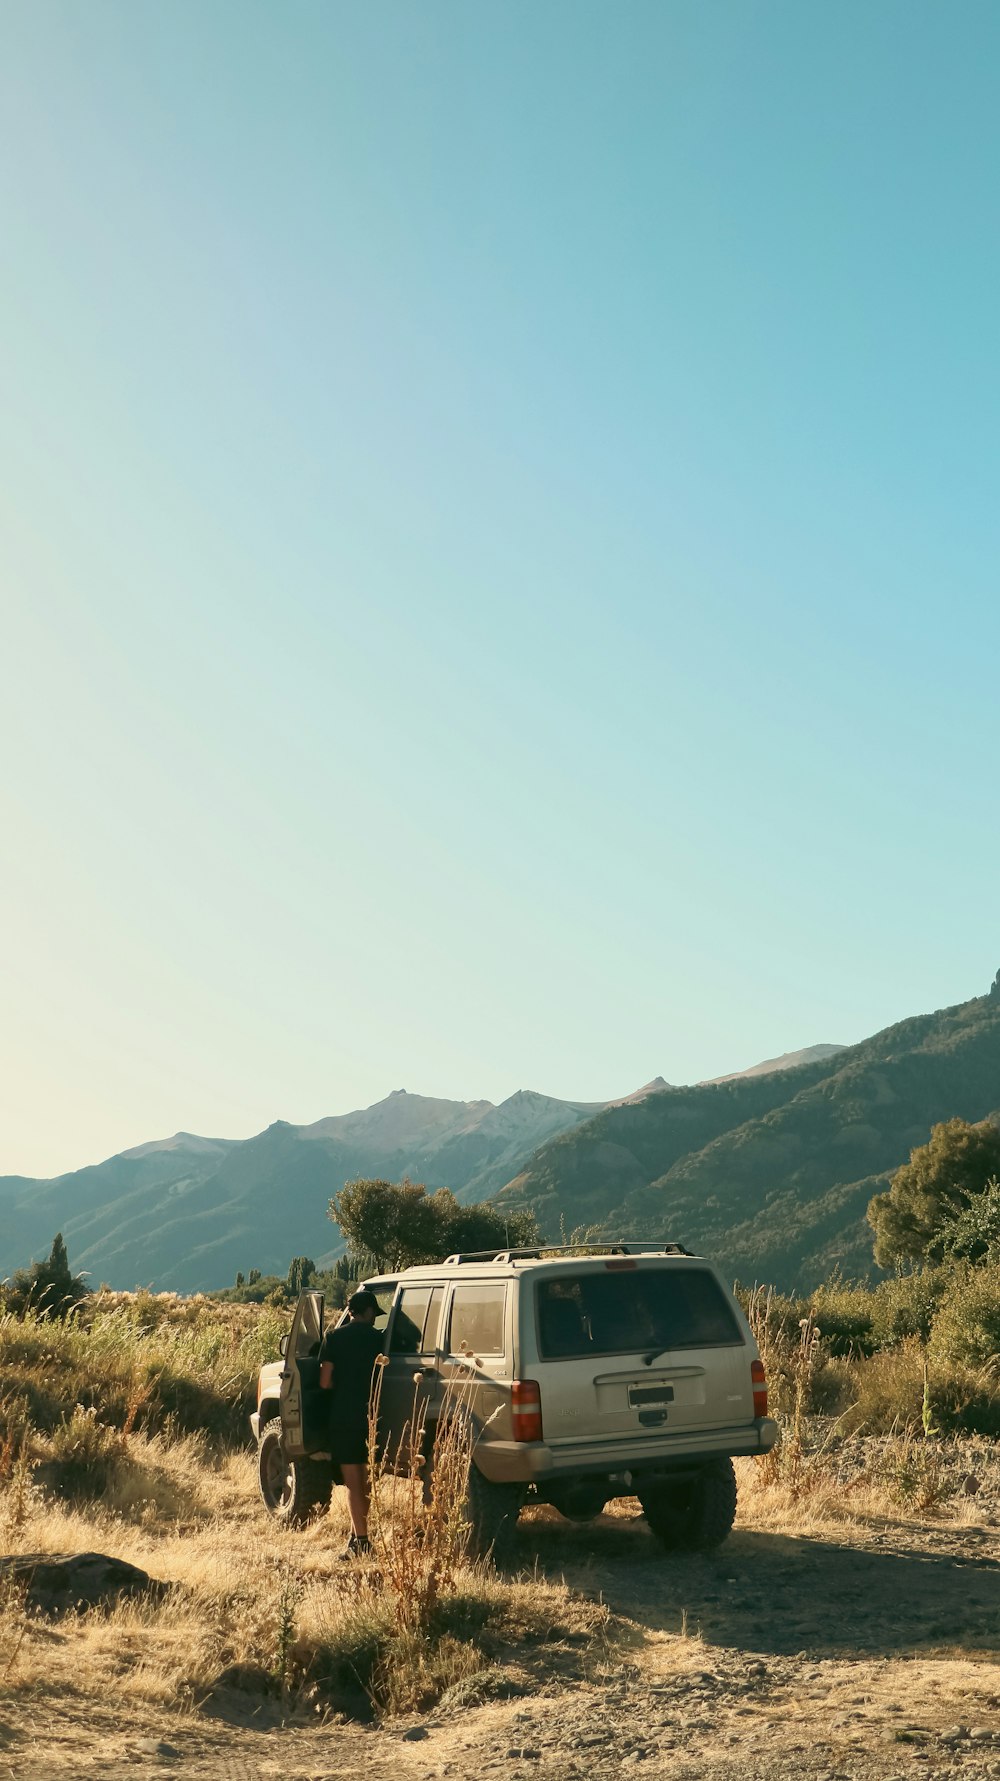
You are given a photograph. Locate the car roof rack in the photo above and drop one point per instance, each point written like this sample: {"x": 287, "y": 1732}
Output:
{"x": 540, "y": 1250}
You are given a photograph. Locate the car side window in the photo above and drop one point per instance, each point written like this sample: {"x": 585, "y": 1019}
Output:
{"x": 477, "y": 1320}
{"x": 432, "y": 1322}
{"x": 408, "y": 1323}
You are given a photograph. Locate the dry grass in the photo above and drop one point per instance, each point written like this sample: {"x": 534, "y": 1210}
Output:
{"x": 144, "y": 1360}
{"x": 856, "y": 1482}
{"x": 107, "y": 1465}
{"x": 320, "y": 1633}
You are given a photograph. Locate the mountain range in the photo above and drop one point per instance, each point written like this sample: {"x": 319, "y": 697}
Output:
{"x": 187, "y": 1211}
{"x": 768, "y": 1170}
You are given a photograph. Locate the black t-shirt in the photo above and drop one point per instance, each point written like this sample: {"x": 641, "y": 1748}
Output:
{"x": 353, "y": 1349}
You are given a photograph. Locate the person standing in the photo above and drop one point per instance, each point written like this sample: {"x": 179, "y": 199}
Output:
{"x": 347, "y": 1362}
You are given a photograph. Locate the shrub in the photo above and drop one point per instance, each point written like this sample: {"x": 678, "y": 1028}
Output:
{"x": 964, "y": 1400}
{"x": 906, "y": 1305}
{"x": 788, "y": 1460}
{"x": 900, "y": 1391}
{"x": 776, "y": 1324}
{"x": 967, "y": 1326}
{"x": 421, "y": 1545}
{"x": 87, "y": 1455}
{"x": 915, "y": 1473}
{"x": 844, "y": 1315}
{"x": 885, "y": 1391}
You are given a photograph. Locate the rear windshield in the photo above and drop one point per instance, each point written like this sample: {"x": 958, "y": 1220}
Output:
{"x": 651, "y": 1310}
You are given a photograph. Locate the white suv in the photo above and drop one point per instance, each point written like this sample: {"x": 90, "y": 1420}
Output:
{"x": 628, "y": 1370}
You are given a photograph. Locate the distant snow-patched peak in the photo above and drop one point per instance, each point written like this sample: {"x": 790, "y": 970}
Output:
{"x": 399, "y": 1121}
{"x": 529, "y": 1111}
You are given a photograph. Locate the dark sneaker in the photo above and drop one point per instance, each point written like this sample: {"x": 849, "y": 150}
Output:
{"x": 358, "y": 1546}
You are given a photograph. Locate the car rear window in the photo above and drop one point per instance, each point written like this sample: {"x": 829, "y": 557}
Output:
{"x": 650, "y": 1309}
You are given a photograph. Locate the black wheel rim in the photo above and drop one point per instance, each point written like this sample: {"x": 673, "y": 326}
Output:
{"x": 276, "y": 1476}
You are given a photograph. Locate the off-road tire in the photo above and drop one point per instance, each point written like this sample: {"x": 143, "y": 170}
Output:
{"x": 694, "y": 1514}
{"x": 292, "y": 1490}
{"x": 491, "y": 1511}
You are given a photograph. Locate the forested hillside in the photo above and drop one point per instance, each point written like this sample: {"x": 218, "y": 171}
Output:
{"x": 772, "y": 1175}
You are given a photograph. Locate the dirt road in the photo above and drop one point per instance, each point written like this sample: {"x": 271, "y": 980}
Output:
{"x": 856, "y": 1656}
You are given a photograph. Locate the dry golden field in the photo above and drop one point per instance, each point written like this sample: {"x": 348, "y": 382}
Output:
{"x": 849, "y": 1626}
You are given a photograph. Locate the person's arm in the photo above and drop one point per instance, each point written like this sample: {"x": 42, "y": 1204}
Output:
{"x": 325, "y": 1366}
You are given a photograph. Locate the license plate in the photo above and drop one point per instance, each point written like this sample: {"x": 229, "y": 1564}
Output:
{"x": 639, "y": 1396}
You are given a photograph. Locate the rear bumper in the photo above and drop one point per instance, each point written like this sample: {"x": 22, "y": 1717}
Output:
{"x": 530, "y": 1462}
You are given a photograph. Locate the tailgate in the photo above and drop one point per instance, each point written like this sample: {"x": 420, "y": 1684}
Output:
{"x": 654, "y": 1350}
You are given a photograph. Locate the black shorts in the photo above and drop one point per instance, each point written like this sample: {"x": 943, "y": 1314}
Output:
{"x": 349, "y": 1443}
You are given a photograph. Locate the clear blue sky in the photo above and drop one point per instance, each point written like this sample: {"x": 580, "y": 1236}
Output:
{"x": 499, "y": 547}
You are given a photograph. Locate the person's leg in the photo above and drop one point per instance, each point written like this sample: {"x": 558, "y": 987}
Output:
{"x": 356, "y": 1485}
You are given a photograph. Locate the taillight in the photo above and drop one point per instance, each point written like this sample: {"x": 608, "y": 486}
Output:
{"x": 260, "y": 1388}
{"x": 758, "y": 1379}
{"x": 526, "y": 1410}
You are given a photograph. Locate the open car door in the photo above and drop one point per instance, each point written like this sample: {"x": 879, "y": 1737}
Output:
{"x": 302, "y": 1419}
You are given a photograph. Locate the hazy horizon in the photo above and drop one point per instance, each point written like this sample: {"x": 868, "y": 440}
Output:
{"x": 337, "y": 1111}
{"x": 497, "y": 549}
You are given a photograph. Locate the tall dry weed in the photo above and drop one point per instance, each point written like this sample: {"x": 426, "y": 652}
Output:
{"x": 13, "y": 1624}
{"x": 792, "y": 1366}
{"x": 16, "y": 1485}
{"x": 419, "y": 1490}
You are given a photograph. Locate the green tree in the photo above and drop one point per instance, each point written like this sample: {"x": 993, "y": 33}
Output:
{"x": 392, "y": 1225}
{"x": 482, "y": 1226}
{"x": 300, "y": 1274}
{"x": 48, "y": 1286}
{"x": 388, "y": 1225}
{"x": 933, "y": 1192}
{"x": 974, "y": 1233}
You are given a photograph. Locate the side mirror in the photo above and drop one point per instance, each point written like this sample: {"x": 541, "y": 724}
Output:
{"x": 283, "y": 1346}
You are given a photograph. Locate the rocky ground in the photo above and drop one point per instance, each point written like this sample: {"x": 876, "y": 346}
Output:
{"x": 864, "y": 1652}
